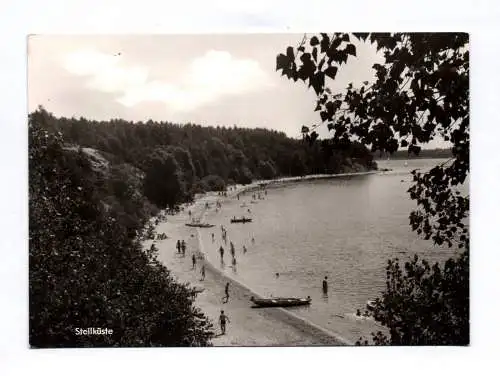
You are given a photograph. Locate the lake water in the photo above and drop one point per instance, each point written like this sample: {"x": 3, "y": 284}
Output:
{"x": 344, "y": 228}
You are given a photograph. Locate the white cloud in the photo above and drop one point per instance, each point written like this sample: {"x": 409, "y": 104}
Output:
{"x": 208, "y": 78}
{"x": 104, "y": 71}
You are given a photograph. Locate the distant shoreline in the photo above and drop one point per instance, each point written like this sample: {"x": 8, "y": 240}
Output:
{"x": 259, "y": 184}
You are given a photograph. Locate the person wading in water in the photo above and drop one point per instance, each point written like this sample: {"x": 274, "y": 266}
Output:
{"x": 325, "y": 286}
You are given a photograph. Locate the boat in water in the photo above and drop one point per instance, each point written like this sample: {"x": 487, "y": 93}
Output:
{"x": 280, "y": 302}
{"x": 202, "y": 225}
{"x": 241, "y": 220}
{"x": 370, "y": 305}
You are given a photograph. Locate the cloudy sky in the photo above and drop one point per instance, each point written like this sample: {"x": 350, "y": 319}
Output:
{"x": 205, "y": 79}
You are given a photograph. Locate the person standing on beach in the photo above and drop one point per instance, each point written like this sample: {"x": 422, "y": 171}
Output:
{"x": 183, "y": 247}
{"x": 203, "y": 272}
{"x": 325, "y": 286}
{"x": 178, "y": 246}
{"x": 213, "y": 237}
{"x": 193, "y": 258}
{"x": 221, "y": 251}
{"x": 222, "y": 320}
{"x": 244, "y": 249}
{"x": 232, "y": 249}
{"x": 226, "y": 291}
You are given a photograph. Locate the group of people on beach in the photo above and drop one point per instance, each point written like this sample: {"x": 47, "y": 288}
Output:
{"x": 181, "y": 247}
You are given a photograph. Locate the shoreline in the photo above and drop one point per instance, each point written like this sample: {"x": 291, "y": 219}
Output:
{"x": 258, "y": 327}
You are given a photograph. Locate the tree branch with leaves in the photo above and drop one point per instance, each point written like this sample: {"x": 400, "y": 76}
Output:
{"x": 420, "y": 93}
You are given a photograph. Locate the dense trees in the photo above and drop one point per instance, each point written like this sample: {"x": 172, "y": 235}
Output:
{"x": 419, "y": 93}
{"x": 162, "y": 184}
{"x": 200, "y": 158}
{"x": 86, "y": 267}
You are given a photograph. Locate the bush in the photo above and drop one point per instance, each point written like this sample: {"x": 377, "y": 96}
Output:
{"x": 84, "y": 269}
{"x": 214, "y": 183}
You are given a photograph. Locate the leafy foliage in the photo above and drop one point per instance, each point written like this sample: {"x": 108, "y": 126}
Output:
{"x": 85, "y": 268}
{"x": 419, "y": 93}
{"x": 162, "y": 183}
{"x": 424, "y": 304}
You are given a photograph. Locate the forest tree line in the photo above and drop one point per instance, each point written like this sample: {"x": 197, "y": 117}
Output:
{"x": 196, "y": 158}
{"x": 423, "y": 154}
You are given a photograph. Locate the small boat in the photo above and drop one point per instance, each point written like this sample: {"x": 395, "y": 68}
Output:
{"x": 370, "y": 305}
{"x": 241, "y": 220}
{"x": 280, "y": 302}
{"x": 202, "y": 225}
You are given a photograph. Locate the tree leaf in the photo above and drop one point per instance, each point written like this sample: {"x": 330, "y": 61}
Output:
{"x": 282, "y": 62}
{"x": 361, "y": 36}
{"x": 314, "y": 41}
{"x": 331, "y": 72}
{"x": 351, "y": 49}
{"x": 414, "y": 149}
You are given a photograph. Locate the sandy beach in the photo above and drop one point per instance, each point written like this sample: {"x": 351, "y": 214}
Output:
{"x": 247, "y": 326}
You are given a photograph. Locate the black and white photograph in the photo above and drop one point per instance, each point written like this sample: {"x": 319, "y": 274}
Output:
{"x": 248, "y": 190}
